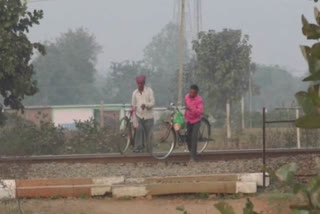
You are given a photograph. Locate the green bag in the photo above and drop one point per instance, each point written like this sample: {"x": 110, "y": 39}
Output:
{"x": 179, "y": 119}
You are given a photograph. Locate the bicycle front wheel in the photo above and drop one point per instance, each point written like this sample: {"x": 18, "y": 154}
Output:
{"x": 164, "y": 140}
{"x": 125, "y": 135}
{"x": 204, "y": 135}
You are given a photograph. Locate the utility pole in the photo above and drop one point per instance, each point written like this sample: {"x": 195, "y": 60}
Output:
{"x": 176, "y": 12}
{"x": 181, "y": 51}
{"x": 298, "y": 130}
{"x": 228, "y": 119}
{"x": 101, "y": 115}
{"x": 243, "y": 124}
{"x": 250, "y": 96}
{"x": 198, "y": 15}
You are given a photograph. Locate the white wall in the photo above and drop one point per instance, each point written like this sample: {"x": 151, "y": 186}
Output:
{"x": 66, "y": 117}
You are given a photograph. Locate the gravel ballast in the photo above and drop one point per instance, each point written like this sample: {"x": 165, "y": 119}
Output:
{"x": 138, "y": 170}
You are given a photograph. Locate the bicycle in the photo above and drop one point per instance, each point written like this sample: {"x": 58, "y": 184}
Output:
{"x": 165, "y": 134}
{"x": 127, "y": 132}
{"x": 169, "y": 134}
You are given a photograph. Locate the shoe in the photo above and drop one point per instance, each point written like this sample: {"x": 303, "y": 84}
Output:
{"x": 137, "y": 151}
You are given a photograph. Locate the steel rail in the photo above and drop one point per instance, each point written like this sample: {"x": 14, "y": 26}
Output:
{"x": 144, "y": 157}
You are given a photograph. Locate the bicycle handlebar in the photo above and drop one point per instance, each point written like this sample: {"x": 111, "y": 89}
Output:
{"x": 176, "y": 108}
{"x": 128, "y": 108}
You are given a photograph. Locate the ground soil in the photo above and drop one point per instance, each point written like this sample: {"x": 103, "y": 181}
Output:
{"x": 163, "y": 205}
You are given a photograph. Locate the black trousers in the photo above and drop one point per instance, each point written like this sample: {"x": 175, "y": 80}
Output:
{"x": 192, "y": 138}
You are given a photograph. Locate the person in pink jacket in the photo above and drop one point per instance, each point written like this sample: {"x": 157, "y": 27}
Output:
{"x": 193, "y": 114}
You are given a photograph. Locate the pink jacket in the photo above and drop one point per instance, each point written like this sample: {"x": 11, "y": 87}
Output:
{"x": 195, "y": 109}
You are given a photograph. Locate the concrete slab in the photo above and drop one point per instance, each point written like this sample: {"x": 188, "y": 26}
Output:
{"x": 198, "y": 178}
{"x": 101, "y": 191}
{"x": 103, "y": 186}
{"x": 200, "y": 187}
{"x": 53, "y": 182}
{"x": 227, "y": 187}
{"x": 129, "y": 191}
{"x": 108, "y": 181}
{"x": 134, "y": 187}
{"x": 54, "y": 191}
{"x": 7, "y": 189}
{"x": 254, "y": 177}
{"x": 77, "y": 187}
{"x": 246, "y": 187}
{"x": 135, "y": 180}
{"x": 243, "y": 177}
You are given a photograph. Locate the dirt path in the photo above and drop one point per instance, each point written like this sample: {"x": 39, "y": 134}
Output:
{"x": 137, "y": 206}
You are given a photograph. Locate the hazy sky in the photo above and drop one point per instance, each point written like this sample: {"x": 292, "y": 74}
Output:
{"x": 124, "y": 27}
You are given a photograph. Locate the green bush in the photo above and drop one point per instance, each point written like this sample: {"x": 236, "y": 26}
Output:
{"x": 20, "y": 137}
{"x": 90, "y": 138}
{"x": 225, "y": 208}
{"x": 310, "y": 191}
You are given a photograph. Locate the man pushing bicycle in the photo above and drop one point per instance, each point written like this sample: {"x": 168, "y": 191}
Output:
{"x": 193, "y": 114}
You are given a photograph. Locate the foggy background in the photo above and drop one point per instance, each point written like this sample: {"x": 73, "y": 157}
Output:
{"x": 123, "y": 28}
{"x": 96, "y": 48}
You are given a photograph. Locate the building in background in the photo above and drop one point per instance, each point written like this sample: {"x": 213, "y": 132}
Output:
{"x": 66, "y": 116}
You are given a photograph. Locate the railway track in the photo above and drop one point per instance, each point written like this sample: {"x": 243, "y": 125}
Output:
{"x": 133, "y": 158}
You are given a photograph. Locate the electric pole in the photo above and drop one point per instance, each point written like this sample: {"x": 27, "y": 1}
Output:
{"x": 198, "y": 17}
{"x": 250, "y": 96}
{"x": 181, "y": 51}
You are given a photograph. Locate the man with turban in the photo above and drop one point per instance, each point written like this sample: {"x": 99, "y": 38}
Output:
{"x": 142, "y": 104}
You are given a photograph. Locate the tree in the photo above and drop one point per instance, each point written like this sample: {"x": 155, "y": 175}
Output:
{"x": 223, "y": 65}
{"x": 162, "y": 52}
{"x": 120, "y": 82}
{"x": 189, "y": 74}
{"x": 162, "y": 56}
{"x": 223, "y": 69}
{"x": 66, "y": 75}
{"x": 16, "y": 51}
{"x": 277, "y": 87}
{"x": 160, "y": 65}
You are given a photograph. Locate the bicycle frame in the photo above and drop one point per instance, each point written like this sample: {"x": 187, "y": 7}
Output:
{"x": 181, "y": 137}
{"x": 128, "y": 114}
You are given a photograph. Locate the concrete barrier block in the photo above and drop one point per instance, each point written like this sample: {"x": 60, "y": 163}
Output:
{"x": 103, "y": 186}
{"x": 129, "y": 191}
{"x": 254, "y": 177}
{"x": 53, "y": 182}
{"x": 195, "y": 178}
{"x": 7, "y": 189}
{"x": 190, "y": 187}
{"x": 135, "y": 180}
{"x": 51, "y": 191}
{"x": 108, "y": 181}
{"x": 246, "y": 187}
{"x": 100, "y": 191}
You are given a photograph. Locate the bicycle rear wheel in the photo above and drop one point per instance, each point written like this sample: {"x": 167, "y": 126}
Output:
{"x": 164, "y": 140}
{"x": 125, "y": 135}
{"x": 204, "y": 135}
